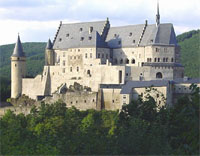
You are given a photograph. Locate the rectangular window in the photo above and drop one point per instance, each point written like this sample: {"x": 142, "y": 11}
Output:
{"x": 90, "y": 55}
{"x": 86, "y": 55}
{"x": 70, "y": 69}
{"x": 120, "y": 76}
{"x": 98, "y": 55}
{"x": 63, "y": 63}
{"x": 63, "y": 70}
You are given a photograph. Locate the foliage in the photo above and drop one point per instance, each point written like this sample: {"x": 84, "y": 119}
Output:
{"x": 138, "y": 129}
{"x": 190, "y": 52}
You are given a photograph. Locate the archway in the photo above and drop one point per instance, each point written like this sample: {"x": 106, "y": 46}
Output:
{"x": 159, "y": 75}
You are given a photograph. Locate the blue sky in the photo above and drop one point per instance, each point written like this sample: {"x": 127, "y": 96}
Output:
{"x": 38, "y": 20}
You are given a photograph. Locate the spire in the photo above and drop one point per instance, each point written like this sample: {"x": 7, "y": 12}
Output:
{"x": 157, "y": 15}
{"x": 49, "y": 44}
{"x": 18, "y": 51}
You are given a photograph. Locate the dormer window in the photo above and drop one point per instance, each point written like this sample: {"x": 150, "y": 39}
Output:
{"x": 82, "y": 38}
{"x": 130, "y": 34}
{"x": 67, "y": 35}
{"x": 89, "y": 37}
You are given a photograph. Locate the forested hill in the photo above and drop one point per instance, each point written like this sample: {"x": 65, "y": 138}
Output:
{"x": 35, "y": 58}
{"x": 189, "y": 43}
{"x": 190, "y": 52}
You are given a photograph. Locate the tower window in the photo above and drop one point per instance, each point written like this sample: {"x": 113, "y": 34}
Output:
{"x": 91, "y": 29}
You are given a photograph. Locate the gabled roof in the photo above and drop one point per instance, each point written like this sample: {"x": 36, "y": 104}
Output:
{"x": 18, "y": 51}
{"x": 78, "y": 35}
{"x": 129, "y": 36}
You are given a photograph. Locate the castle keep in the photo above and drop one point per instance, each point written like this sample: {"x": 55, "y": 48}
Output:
{"x": 94, "y": 65}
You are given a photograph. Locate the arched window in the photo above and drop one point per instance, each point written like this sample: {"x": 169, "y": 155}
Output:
{"x": 121, "y": 61}
{"x": 77, "y": 69}
{"x": 159, "y": 75}
{"x": 133, "y": 61}
{"x": 127, "y": 61}
{"x": 172, "y": 59}
{"x": 88, "y": 72}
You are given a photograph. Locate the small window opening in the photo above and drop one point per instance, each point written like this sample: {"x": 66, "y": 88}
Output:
{"x": 82, "y": 38}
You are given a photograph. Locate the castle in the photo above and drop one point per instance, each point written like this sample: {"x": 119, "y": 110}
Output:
{"x": 95, "y": 66}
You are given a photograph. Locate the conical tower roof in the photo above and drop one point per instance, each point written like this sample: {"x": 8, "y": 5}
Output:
{"x": 49, "y": 44}
{"x": 18, "y": 51}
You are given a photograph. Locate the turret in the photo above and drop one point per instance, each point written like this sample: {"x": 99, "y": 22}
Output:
{"x": 49, "y": 54}
{"x": 18, "y": 69}
{"x": 157, "y": 15}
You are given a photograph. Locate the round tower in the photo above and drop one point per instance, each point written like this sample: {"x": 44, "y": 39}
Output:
{"x": 49, "y": 54}
{"x": 18, "y": 64}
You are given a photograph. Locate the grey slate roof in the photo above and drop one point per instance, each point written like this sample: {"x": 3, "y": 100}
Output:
{"x": 162, "y": 34}
{"x": 49, "y": 45}
{"x": 18, "y": 51}
{"x": 161, "y": 64}
{"x": 126, "y": 89}
{"x": 189, "y": 80}
{"x": 70, "y": 36}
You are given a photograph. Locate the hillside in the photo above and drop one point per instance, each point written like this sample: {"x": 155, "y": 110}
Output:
{"x": 35, "y": 58}
{"x": 190, "y": 52}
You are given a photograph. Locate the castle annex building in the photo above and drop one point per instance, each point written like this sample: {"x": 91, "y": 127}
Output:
{"x": 94, "y": 65}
